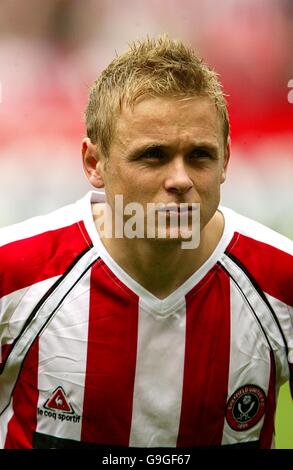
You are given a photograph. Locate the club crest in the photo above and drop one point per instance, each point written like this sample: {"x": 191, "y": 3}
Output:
{"x": 245, "y": 407}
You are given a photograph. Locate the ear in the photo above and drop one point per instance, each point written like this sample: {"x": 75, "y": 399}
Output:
{"x": 226, "y": 160}
{"x": 92, "y": 160}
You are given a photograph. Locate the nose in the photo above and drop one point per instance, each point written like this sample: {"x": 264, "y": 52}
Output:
{"x": 178, "y": 180}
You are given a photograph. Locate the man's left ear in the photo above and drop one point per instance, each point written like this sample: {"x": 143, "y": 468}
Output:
{"x": 92, "y": 161}
{"x": 226, "y": 160}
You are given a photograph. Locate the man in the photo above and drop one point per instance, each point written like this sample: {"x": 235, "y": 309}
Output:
{"x": 142, "y": 341}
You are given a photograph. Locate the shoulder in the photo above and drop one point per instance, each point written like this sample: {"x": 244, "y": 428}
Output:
{"x": 255, "y": 233}
{"x": 266, "y": 254}
{"x": 35, "y": 226}
{"x": 40, "y": 248}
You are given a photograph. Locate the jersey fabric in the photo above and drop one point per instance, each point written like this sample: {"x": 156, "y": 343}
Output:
{"x": 90, "y": 357}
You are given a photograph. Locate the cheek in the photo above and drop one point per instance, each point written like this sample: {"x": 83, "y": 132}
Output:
{"x": 208, "y": 189}
{"x": 208, "y": 183}
{"x": 126, "y": 183}
{"x": 209, "y": 196}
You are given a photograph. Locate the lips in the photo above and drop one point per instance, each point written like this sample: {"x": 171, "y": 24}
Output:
{"x": 178, "y": 209}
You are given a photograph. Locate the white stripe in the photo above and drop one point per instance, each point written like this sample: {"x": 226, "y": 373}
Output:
{"x": 249, "y": 360}
{"x": 5, "y": 418}
{"x": 62, "y": 363}
{"x": 158, "y": 379}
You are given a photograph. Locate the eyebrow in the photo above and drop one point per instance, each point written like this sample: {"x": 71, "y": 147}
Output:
{"x": 200, "y": 144}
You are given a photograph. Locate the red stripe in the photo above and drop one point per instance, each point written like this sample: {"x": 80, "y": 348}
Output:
{"x": 25, "y": 262}
{"x": 205, "y": 385}
{"x": 270, "y": 267}
{"x": 4, "y": 351}
{"x": 267, "y": 432}
{"x": 111, "y": 360}
{"x": 25, "y": 400}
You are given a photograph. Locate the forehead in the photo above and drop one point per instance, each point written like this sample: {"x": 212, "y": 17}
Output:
{"x": 167, "y": 119}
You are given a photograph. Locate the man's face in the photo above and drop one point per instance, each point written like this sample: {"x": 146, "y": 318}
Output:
{"x": 167, "y": 151}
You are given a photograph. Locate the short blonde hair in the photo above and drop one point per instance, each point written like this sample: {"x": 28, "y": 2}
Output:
{"x": 153, "y": 67}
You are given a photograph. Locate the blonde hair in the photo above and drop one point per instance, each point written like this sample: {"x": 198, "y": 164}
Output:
{"x": 153, "y": 67}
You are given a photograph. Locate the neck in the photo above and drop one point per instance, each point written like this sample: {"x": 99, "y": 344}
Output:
{"x": 162, "y": 266}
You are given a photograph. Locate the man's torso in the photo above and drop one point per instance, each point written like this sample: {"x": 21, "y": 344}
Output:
{"x": 90, "y": 356}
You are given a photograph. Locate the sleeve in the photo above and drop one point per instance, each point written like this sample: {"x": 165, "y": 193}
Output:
{"x": 11, "y": 316}
{"x": 11, "y": 321}
{"x": 284, "y": 316}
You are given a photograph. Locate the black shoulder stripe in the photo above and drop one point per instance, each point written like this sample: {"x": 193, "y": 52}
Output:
{"x": 249, "y": 304}
{"x": 260, "y": 293}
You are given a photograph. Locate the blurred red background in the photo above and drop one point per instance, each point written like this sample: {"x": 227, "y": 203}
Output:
{"x": 52, "y": 50}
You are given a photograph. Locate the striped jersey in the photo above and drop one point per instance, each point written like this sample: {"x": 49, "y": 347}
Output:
{"x": 89, "y": 357}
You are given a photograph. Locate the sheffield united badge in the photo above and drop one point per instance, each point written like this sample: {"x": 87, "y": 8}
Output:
{"x": 245, "y": 407}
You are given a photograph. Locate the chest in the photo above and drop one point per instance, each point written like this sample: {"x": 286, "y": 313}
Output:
{"x": 117, "y": 371}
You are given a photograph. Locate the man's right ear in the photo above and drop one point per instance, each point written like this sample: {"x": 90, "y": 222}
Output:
{"x": 92, "y": 161}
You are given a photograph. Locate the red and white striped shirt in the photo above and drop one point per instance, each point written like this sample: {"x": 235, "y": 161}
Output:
{"x": 90, "y": 357}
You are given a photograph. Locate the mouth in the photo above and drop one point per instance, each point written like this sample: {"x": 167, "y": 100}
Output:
{"x": 182, "y": 208}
